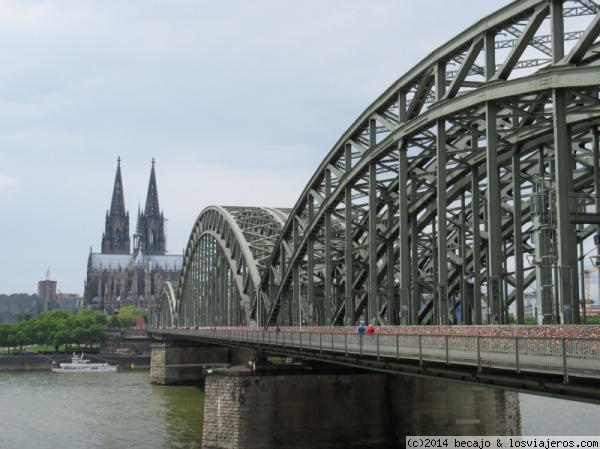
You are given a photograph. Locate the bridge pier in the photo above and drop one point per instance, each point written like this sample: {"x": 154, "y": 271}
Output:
{"x": 245, "y": 409}
{"x": 182, "y": 365}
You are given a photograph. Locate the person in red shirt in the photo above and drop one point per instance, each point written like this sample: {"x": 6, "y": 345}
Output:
{"x": 370, "y": 330}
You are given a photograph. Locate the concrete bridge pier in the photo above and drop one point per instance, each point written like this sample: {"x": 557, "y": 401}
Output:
{"x": 249, "y": 410}
{"x": 183, "y": 365}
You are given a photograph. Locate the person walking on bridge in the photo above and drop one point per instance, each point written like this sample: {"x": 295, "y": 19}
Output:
{"x": 370, "y": 334}
{"x": 361, "y": 331}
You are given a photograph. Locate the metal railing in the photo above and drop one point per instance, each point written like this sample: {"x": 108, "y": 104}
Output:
{"x": 564, "y": 356}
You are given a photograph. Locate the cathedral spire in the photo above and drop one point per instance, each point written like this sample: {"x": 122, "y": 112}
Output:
{"x": 116, "y": 232}
{"x": 117, "y": 205}
{"x": 150, "y": 229}
{"x": 152, "y": 207}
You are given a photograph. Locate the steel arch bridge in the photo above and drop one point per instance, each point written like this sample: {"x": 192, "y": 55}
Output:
{"x": 227, "y": 253}
{"x": 473, "y": 178}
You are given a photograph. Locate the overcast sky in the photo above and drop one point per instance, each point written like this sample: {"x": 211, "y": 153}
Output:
{"x": 238, "y": 101}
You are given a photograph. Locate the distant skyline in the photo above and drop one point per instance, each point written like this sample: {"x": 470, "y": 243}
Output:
{"x": 237, "y": 101}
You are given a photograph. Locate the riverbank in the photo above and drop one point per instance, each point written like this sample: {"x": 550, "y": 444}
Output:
{"x": 43, "y": 362}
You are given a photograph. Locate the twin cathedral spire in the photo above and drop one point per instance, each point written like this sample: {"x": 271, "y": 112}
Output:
{"x": 149, "y": 234}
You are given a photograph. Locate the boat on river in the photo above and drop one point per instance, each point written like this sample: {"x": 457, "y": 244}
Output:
{"x": 80, "y": 365}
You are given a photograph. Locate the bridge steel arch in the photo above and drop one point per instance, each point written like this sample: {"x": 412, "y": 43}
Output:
{"x": 167, "y": 316}
{"x": 226, "y": 255}
{"x": 474, "y": 177}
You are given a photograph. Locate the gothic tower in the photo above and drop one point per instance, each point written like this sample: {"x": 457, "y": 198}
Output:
{"x": 150, "y": 231}
{"x": 115, "y": 239}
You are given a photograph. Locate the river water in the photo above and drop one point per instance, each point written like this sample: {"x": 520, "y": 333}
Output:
{"x": 41, "y": 410}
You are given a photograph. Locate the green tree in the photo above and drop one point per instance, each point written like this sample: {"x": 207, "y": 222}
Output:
{"x": 115, "y": 321}
{"x": 128, "y": 314}
{"x": 6, "y": 330}
{"x": 54, "y": 325}
{"x": 93, "y": 316}
{"x": 59, "y": 337}
{"x": 87, "y": 328}
{"x": 23, "y": 335}
{"x": 60, "y": 326}
{"x": 41, "y": 332}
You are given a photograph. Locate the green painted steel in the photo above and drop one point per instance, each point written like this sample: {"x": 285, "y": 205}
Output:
{"x": 470, "y": 185}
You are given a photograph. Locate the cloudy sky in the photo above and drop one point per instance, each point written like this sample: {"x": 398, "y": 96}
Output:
{"x": 237, "y": 100}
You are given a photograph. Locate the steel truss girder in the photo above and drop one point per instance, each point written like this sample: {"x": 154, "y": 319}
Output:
{"x": 224, "y": 260}
{"x": 363, "y": 168}
{"x": 448, "y": 196}
{"x": 167, "y": 316}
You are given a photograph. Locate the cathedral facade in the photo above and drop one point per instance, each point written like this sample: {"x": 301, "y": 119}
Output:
{"x": 119, "y": 275}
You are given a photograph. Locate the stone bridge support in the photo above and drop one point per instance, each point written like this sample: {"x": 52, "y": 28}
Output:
{"x": 247, "y": 410}
{"x": 181, "y": 365}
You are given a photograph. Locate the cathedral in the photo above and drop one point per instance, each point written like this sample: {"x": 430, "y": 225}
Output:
{"x": 119, "y": 276}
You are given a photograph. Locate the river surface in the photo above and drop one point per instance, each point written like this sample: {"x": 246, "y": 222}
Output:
{"x": 41, "y": 410}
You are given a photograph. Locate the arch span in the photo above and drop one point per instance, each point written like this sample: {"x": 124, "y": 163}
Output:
{"x": 226, "y": 255}
{"x": 470, "y": 183}
{"x": 167, "y": 315}
{"x": 411, "y": 216}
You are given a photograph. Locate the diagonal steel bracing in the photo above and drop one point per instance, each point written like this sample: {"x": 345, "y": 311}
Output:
{"x": 468, "y": 186}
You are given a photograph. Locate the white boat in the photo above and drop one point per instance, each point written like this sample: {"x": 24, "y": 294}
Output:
{"x": 81, "y": 365}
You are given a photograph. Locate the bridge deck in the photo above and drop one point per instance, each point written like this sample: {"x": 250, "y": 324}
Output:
{"x": 555, "y": 366}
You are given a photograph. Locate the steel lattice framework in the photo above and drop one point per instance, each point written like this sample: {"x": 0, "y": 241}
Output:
{"x": 226, "y": 256}
{"x": 474, "y": 177}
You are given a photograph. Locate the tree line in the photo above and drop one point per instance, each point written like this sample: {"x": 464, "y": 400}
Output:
{"x": 58, "y": 328}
